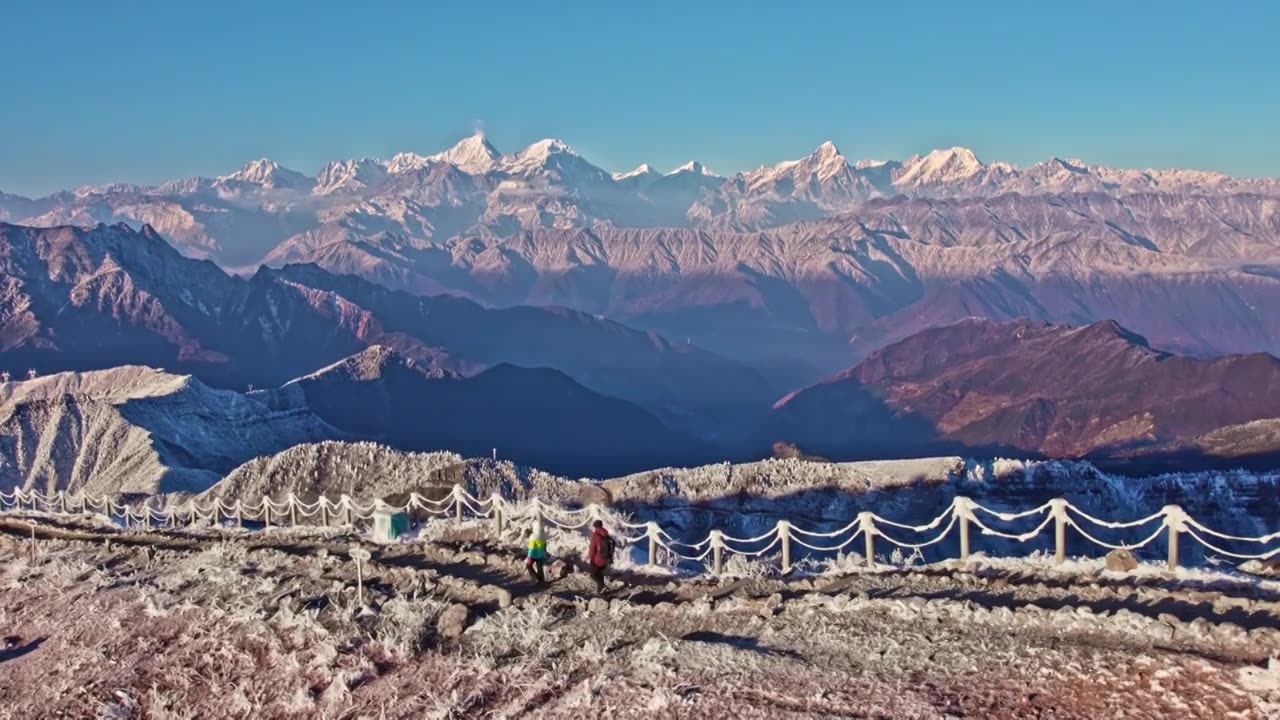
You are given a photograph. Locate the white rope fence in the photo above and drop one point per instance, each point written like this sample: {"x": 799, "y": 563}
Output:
{"x": 958, "y": 518}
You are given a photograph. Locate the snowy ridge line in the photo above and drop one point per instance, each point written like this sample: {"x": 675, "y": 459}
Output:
{"x": 962, "y": 511}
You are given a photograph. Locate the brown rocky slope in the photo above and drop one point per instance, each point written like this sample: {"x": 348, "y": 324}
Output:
{"x": 1095, "y": 391}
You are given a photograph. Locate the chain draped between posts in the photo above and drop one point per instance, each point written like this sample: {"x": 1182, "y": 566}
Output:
{"x": 963, "y": 513}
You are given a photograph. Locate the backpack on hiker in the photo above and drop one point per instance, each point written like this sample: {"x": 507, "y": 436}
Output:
{"x": 606, "y": 549}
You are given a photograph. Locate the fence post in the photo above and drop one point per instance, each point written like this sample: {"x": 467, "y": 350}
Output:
{"x": 868, "y": 537}
{"x": 1058, "y": 507}
{"x": 345, "y": 503}
{"x": 717, "y": 553}
{"x": 62, "y": 502}
{"x": 239, "y": 513}
{"x": 457, "y": 504}
{"x": 324, "y": 510}
{"x": 293, "y": 510}
{"x": 964, "y": 509}
{"x": 499, "y": 519}
{"x": 784, "y": 535}
{"x": 1174, "y": 520}
{"x": 652, "y": 531}
{"x": 266, "y": 511}
{"x": 146, "y": 513}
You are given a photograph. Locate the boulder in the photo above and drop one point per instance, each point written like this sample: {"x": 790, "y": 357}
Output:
{"x": 771, "y": 606}
{"x": 453, "y": 621}
{"x": 1121, "y": 560}
{"x": 598, "y": 605}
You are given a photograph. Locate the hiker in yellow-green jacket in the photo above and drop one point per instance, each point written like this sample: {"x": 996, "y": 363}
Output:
{"x": 537, "y": 556}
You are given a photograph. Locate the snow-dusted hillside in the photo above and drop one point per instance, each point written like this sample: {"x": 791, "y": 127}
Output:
{"x": 136, "y": 430}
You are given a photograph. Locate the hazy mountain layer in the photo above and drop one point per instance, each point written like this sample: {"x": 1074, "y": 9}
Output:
{"x": 1196, "y": 275}
{"x": 537, "y": 416}
{"x": 76, "y": 299}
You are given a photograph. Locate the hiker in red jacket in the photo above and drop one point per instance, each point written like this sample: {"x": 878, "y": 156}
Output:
{"x": 600, "y": 554}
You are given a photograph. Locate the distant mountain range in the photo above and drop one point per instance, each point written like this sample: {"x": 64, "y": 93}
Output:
{"x": 438, "y": 301}
{"x": 797, "y": 269}
{"x": 242, "y": 218}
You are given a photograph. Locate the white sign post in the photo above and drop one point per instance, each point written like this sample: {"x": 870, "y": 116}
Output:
{"x": 360, "y": 555}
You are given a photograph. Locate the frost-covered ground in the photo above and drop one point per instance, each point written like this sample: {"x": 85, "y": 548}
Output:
{"x": 223, "y": 623}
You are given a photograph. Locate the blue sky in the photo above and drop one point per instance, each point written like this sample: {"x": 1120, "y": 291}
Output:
{"x": 144, "y": 92}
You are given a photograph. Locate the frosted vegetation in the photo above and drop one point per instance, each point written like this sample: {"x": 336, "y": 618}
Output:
{"x": 270, "y": 624}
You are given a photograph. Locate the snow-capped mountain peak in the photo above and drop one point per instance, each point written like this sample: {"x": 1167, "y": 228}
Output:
{"x": 827, "y": 149}
{"x": 406, "y": 162}
{"x": 256, "y": 171}
{"x": 940, "y": 166}
{"x": 824, "y": 163}
{"x": 828, "y": 160}
{"x": 554, "y": 156}
{"x": 545, "y": 148}
{"x": 269, "y": 174}
{"x": 474, "y": 155}
{"x": 695, "y": 167}
{"x": 349, "y": 175}
{"x": 640, "y": 171}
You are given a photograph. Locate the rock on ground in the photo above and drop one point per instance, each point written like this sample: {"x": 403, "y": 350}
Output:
{"x": 1121, "y": 560}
